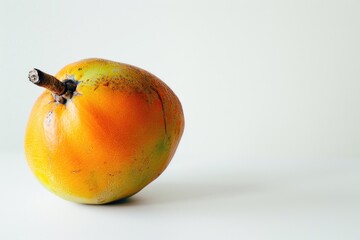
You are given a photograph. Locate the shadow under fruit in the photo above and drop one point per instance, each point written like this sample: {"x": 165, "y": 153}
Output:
{"x": 101, "y": 131}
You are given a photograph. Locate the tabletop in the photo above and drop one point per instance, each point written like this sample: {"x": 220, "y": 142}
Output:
{"x": 197, "y": 197}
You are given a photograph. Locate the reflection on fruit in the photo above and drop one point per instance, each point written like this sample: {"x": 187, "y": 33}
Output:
{"x": 103, "y": 132}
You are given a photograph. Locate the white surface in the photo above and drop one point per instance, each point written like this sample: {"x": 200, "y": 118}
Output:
{"x": 250, "y": 72}
{"x": 197, "y": 198}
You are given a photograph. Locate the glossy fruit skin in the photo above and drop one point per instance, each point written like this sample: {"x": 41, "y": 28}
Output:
{"x": 113, "y": 137}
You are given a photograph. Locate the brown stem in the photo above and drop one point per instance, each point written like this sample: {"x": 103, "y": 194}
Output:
{"x": 47, "y": 81}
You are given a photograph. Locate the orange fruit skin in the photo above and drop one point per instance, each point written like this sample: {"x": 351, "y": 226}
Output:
{"x": 113, "y": 137}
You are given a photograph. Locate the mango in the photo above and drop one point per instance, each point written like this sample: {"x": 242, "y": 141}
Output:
{"x": 101, "y": 131}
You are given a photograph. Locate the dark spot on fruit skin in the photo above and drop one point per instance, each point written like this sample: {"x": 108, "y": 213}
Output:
{"x": 106, "y": 84}
{"x": 49, "y": 118}
{"x": 162, "y": 106}
{"x": 79, "y": 69}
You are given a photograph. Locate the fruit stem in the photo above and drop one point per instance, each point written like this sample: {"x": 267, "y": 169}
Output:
{"x": 47, "y": 81}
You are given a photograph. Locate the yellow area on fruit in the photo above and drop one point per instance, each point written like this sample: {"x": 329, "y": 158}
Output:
{"x": 99, "y": 73}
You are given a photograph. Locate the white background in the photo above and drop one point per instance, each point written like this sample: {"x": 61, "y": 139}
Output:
{"x": 270, "y": 91}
